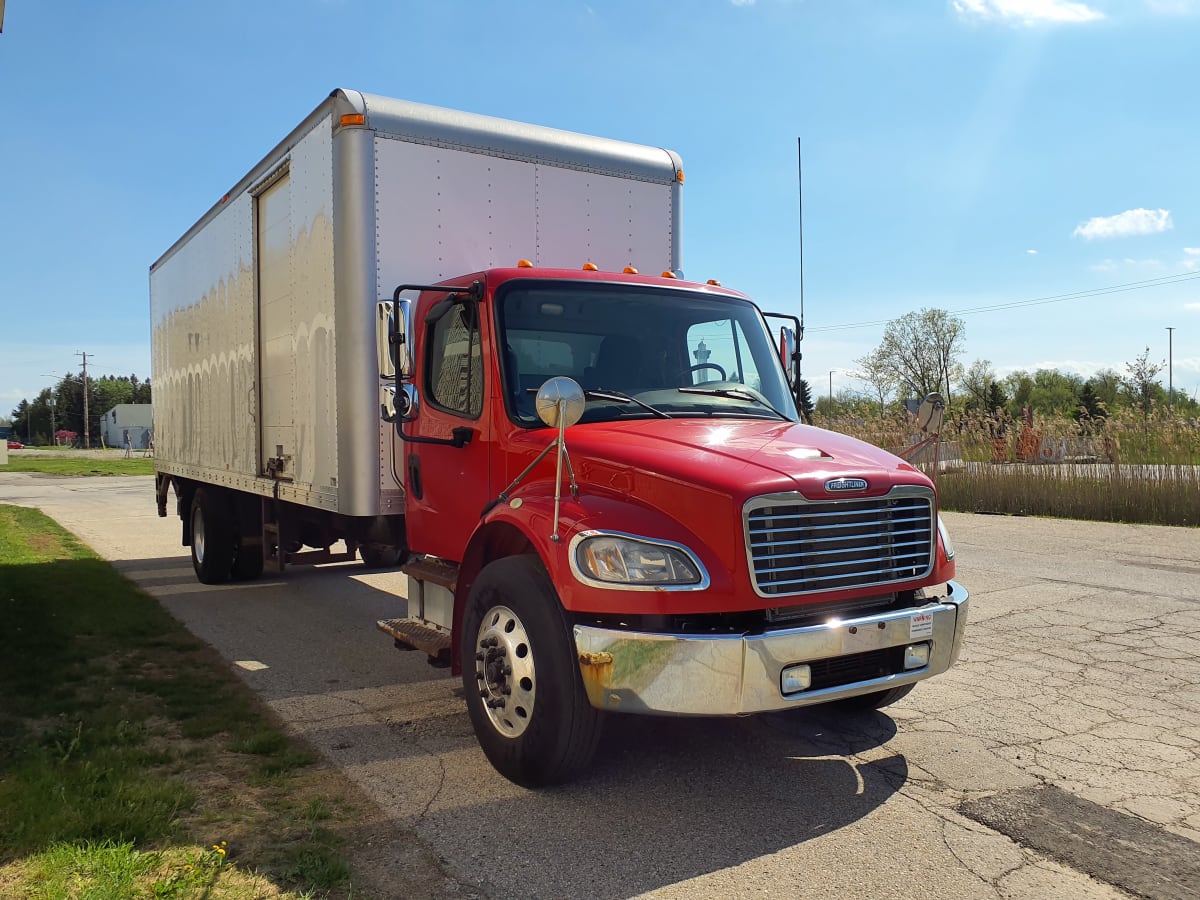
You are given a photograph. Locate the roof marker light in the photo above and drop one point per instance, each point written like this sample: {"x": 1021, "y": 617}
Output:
{"x": 353, "y": 119}
{"x": 713, "y": 282}
{"x": 630, "y": 270}
{"x": 591, "y": 267}
{"x": 524, "y": 264}
{"x": 668, "y": 274}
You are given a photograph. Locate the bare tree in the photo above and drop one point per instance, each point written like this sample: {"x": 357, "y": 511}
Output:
{"x": 875, "y": 371}
{"x": 922, "y": 349}
{"x": 1142, "y": 383}
{"x": 977, "y": 382}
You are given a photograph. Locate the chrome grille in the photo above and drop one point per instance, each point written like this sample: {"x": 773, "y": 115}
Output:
{"x": 797, "y": 546}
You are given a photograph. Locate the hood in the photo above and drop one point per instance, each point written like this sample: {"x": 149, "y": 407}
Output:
{"x": 739, "y": 458}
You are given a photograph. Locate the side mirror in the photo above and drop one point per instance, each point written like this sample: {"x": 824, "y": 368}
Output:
{"x": 392, "y": 332}
{"x": 787, "y": 353}
{"x": 562, "y": 393}
{"x": 387, "y": 403}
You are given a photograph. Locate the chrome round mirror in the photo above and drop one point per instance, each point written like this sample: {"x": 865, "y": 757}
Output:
{"x": 566, "y": 390}
{"x": 931, "y": 414}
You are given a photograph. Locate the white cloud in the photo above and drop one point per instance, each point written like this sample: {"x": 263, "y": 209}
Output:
{"x": 742, "y": 2}
{"x": 1192, "y": 307}
{"x": 1126, "y": 224}
{"x": 1031, "y": 252}
{"x": 1173, "y": 7}
{"x": 1028, "y": 12}
{"x": 1112, "y": 265}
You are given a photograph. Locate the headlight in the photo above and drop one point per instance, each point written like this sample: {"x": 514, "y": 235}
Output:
{"x": 622, "y": 560}
{"x": 946, "y": 542}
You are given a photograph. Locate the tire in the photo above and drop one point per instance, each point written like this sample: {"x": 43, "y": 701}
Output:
{"x": 247, "y": 559}
{"x": 877, "y": 700}
{"x": 518, "y": 655}
{"x": 380, "y": 556}
{"x": 213, "y": 538}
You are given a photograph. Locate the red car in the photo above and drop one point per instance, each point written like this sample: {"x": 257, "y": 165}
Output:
{"x": 15, "y": 445}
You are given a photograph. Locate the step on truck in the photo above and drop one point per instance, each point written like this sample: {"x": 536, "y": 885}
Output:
{"x": 464, "y": 346}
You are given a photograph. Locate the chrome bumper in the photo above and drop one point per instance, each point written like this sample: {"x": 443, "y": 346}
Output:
{"x": 723, "y": 675}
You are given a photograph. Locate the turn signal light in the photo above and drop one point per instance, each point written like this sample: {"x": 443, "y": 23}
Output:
{"x": 591, "y": 267}
{"x": 524, "y": 264}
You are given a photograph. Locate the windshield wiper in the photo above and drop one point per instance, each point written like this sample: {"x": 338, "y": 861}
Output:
{"x": 615, "y": 397}
{"x": 733, "y": 394}
{"x": 618, "y": 397}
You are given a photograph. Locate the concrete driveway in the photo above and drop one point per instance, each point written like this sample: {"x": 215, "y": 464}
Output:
{"x": 1060, "y": 758}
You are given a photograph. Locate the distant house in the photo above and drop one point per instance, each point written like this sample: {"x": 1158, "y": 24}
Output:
{"x": 134, "y": 421}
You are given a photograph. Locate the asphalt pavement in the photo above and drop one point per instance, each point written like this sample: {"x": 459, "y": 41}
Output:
{"x": 1059, "y": 758}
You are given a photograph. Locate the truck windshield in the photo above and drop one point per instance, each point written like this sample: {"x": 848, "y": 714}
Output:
{"x": 681, "y": 353}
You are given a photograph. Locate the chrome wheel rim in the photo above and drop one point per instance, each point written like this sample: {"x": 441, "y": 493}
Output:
{"x": 198, "y": 533}
{"x": 504, "y": 671}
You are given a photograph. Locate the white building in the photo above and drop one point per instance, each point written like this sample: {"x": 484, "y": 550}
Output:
{"x": 134, "y": 421}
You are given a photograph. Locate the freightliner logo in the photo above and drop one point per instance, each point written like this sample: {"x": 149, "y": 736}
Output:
{"x": 846, "y": 484}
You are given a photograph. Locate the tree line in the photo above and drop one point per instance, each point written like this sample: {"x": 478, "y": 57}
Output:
{"x": 921, "y": 353}
{"x": 59, "y": 410}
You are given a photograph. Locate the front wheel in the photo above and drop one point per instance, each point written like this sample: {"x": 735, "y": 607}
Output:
{"x": 877, "y": 700}
{"x": 521, "y": 677}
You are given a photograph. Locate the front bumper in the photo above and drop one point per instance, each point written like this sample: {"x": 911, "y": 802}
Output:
{"x": 724, "y": 675}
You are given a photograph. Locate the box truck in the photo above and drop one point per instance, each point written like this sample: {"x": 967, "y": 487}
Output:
{"x": 464, "y": 346}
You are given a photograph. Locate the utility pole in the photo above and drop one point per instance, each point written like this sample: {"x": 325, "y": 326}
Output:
{"x": 1170, "y": 373}
{"x": 86, "y": 439}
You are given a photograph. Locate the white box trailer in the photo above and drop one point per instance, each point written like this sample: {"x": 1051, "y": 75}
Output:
{"x": 264, "y": 313}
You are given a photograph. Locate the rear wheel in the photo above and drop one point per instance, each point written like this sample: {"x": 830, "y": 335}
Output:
{"x": 213, "y": 538}
{"x": 521, "y": 678}
{"x": 380, "y": 556}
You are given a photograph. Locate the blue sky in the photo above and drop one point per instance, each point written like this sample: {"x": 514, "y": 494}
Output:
{"x": 957, "y": 153}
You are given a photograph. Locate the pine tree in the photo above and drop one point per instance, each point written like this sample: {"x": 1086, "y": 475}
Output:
{"x": 804, "y": 401}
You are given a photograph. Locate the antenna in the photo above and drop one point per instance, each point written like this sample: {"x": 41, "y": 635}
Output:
{"x": 800, "y": 192}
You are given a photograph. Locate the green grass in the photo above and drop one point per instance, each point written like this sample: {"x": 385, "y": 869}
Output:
{"x": 1128, "y": 467}
{"x": 127, "y": 748}
{"x": 1156, "y": 496}
{"x": 78, "y": 465}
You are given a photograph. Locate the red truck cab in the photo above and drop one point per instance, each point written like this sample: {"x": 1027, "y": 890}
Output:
{"x": 681, "y": 545}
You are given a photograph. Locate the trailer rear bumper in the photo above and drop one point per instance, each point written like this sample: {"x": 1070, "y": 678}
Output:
{"x": 722, "y": 675}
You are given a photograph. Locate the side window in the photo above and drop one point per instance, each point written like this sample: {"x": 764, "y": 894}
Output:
{"x": 455, "y": 367}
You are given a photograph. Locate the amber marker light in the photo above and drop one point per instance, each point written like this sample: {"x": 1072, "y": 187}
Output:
{"x": 679, "y": 176}
{"x": 524, "y": 264}
{"x": 591, "y": 267}
{"x": 353, "y": 119}
{"x": 713, "y": 282}
{"x": 630, "y": 270}
{"x": 668, "y": 274}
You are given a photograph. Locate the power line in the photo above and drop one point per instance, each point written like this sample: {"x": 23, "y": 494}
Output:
{"x": 1038, "y": 301}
